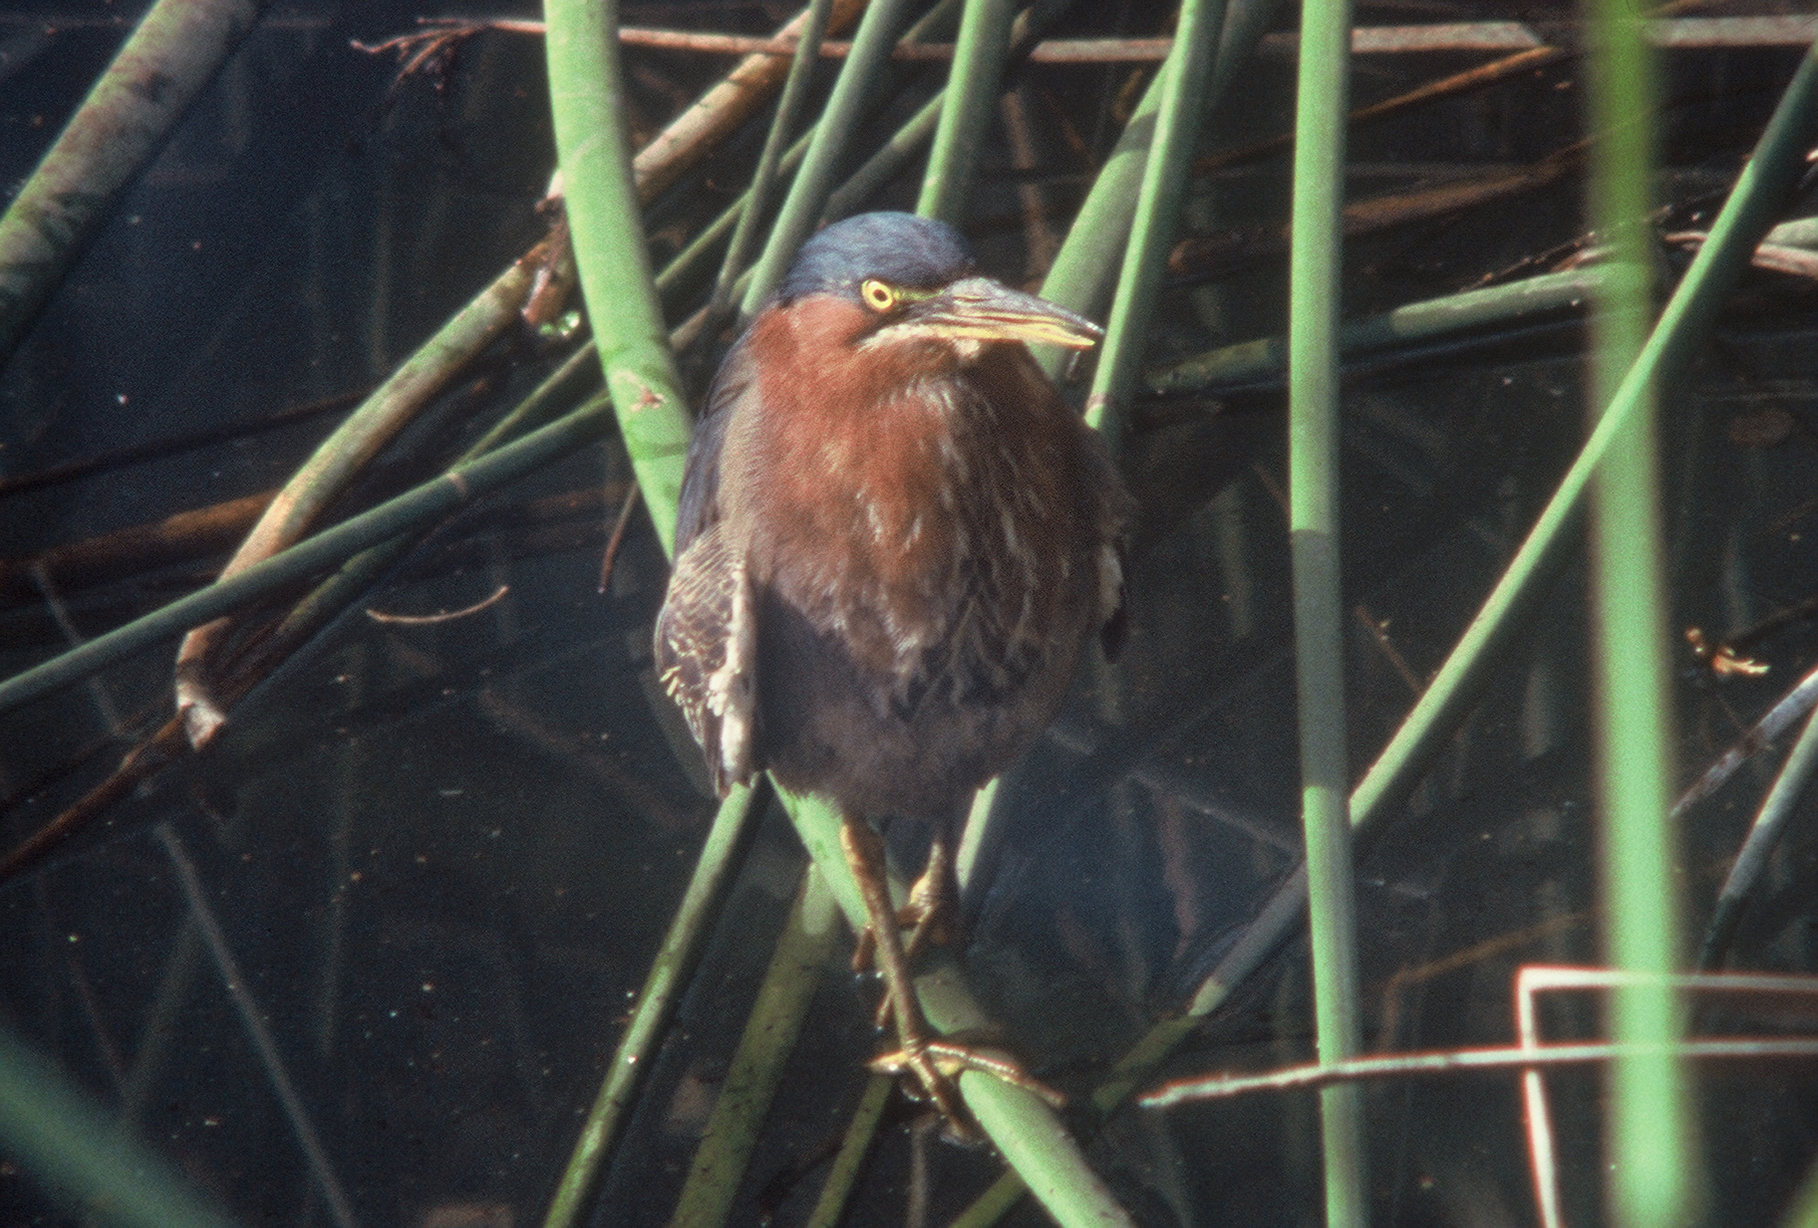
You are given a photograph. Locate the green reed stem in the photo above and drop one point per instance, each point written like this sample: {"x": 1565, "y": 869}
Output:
{"x": 171, "y": 55}
{"x": 663, "y": 988}
{"x": 1157, "y": 217}
{"x": 54, "y": 1132}
{"x": 1646, "y": 1127}
{"x": 842, "y": 1174}
{"x": 756, "y": 1070}
{"x": 968, "y": 104}
{"x": 1438, "y": 317}
{"x": 881, "y": 167}
{"x": 832, "y": 135}
{"x": 1760, "y": 191}
{"x": 1315, "y": 280}
{"x": 564, "y": 386}
{"x": 585, "y": 88}
{"x": 1081, "y": 277}
{"x": 755, "y": 201}
{"x": 435, "y": 498}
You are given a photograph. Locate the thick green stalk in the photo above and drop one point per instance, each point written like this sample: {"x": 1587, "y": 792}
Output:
{"x": 174, "y": 52}
{"x": 429, "y": 501}
{"x": 839, "y": 119}
{"x": 58, "y": 1136}
{"x": 1158, "y": 202}
{"x": 757, "y": 1064}
{"x": 663, "y": 988}
{"x": 1645, "y": 1123}
{"x": 586, "y": 92}
{"x": 969, "y": 103}
{"x": 1315, "y": 280}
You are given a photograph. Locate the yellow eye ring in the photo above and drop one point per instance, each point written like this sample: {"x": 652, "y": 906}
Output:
{"x": 878, "y": 296}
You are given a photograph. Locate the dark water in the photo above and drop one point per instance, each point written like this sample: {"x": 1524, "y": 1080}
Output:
{"x": 443, "y": 855}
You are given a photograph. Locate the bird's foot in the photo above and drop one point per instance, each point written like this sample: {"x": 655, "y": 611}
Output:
{"x": 931, "y": 913}
{"x": 936, "y": 1066}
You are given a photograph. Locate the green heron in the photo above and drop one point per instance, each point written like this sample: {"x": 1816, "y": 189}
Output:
{"x": 895, "y": 541}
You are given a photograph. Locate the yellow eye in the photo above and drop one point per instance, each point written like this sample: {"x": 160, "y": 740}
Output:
{"x": 879, "y": 297}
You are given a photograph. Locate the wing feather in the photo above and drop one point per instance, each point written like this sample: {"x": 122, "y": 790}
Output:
{"x": 706, "y": 640}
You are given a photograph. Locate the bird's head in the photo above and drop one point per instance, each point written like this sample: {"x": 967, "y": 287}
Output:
{"x": 917, "y": 283}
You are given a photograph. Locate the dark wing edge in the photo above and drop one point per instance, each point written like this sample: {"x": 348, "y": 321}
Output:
{"x": 699, "y": 510}
{"x": 1114, "y": 517}
{"x": 706, "y": 656}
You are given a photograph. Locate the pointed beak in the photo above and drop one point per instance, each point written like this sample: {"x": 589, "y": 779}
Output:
{"x": 985, "y": 310}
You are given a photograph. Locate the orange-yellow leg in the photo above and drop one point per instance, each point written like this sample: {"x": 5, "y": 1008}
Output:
{"x": 932, "y": 911}
{"x": 864, "y": 850}
{"x": 931, "y": 916}
{"x": 934, "y": 1062}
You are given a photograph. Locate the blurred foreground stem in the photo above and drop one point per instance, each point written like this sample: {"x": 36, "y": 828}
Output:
{"x": 1649, "y": 1181}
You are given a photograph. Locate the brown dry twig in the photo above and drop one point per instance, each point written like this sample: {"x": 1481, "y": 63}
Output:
{"x": 446, "y": 616}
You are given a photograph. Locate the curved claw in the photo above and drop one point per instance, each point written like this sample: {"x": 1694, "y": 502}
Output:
{"x": 936, "y": 1077}
{"x": 938, "y": 1063}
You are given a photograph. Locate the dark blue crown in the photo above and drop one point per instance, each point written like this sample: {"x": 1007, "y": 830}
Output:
{"x": 898, "y": 248}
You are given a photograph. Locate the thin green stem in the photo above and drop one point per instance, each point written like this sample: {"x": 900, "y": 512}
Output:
{"x": 1157, "y": 217}
{"x": 1081, "y": 277}
{"x": 339, "y": 459}
{"x": 756, "y": 199}
{"x": 564, "y": 386}
{"x": 424, "y": 503}
{"x": 1315, "y": 279}
{"x": 843, "y": 1173}
{"x": 756, "y": 1069}
{"x": 663, "y": 988}
{"x": 1438, "y": 317}
{"x": 839, "y": 119}
{"x": 681, "y": 270}
{"x": 881, "y": 167}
